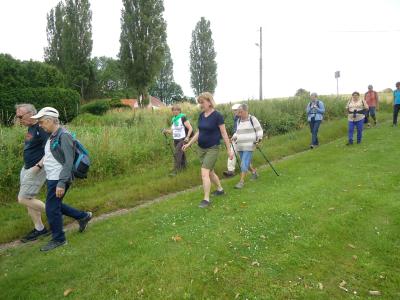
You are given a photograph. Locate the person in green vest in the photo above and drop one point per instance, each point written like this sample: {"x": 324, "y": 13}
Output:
{"x": 181, "y": 130}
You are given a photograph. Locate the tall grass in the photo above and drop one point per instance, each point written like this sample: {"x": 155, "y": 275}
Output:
{"x": 130, "y": 142}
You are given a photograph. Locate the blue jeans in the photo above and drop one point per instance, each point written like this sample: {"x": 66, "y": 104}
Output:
{"x": 370, "y": 112}
{"x": 359, "y": 125}
{"x": 55, "y": 209}
{"x": 245, "y": 157}
{"x": 314, "y": 127}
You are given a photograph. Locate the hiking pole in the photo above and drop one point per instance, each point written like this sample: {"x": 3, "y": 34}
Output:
{"x": 169, "y": 144}
{"x": 236, "y": 155}
{"x": 262, "y": 153}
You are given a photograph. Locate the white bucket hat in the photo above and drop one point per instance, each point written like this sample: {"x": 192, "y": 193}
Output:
{"x": 46, "y": 111}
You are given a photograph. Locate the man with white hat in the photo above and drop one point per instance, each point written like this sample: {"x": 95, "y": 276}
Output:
{"x": 58, "y": 160}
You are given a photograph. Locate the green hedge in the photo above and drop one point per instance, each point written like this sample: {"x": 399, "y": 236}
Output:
{"x": 100, "y": 107}
{"x": 66, "y": 101}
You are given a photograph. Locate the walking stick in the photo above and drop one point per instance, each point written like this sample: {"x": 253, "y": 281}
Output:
{"x": 169, "y": 144}
{"x": 236, "y": 155}
{"x": 265, "y": 157}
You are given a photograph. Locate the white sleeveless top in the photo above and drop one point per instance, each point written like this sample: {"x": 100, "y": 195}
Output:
{"x": 178, "y": 131}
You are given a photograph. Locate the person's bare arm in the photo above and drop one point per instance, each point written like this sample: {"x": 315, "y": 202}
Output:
{"x": 190, "y": 130}
{"x": 225, "y": 136}
{"x": 191, "y": 142}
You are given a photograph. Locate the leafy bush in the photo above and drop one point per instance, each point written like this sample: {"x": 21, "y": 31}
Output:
{"x": 16, "y": 74}
{"x": 66, "y": 101}
{"x": 98, "y": 107}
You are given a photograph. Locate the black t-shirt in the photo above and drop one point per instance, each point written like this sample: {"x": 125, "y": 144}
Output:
{"x": 35, "y": 140}
{"x": 209, "y": 132}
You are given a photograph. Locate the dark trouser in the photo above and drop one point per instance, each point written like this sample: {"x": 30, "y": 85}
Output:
{"x": 370, "y": 112}
{"x": 180, "y": 156}
{"x": 359, "y": 125}
{"x": 396, "y": 109}
{"x": 314, "y": 127}
{"x": 55, "y": 209}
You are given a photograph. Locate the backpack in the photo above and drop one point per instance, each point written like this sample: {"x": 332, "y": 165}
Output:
{"x": 81, "y": 158}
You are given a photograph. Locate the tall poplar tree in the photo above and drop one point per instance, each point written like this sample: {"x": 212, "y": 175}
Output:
{"x": 203, "y": 66}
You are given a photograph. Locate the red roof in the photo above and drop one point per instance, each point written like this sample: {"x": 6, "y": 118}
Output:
{"x": 133, "y": 103}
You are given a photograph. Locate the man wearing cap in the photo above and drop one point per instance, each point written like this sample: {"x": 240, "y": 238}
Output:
{"x": 315, "y": 114}
{"x": 58, "y": 160}
{"x": 232, "y": 162}
{"x": 372, "y": 98}
{"x": 31, "y": 180}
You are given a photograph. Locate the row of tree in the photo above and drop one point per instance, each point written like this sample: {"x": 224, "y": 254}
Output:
{"x": 144, "y": 65}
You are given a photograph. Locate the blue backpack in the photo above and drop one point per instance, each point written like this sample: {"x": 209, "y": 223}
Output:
{"x": 81, "y": 159}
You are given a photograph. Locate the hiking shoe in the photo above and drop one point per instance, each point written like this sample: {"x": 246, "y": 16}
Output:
{"x": 52, "y": 245}
{"x": 84, "y": 221}
{"x": 349, "y": 144}
{"x": 311, "y": 146}
{"x": 254, "y": 176}
{"x": 204, "y": 204}
{"x": 229, "y": 173}
{"x": 34, "y": 235}
{"x": 239, "y": 185}
{"x": 218, "y": 193}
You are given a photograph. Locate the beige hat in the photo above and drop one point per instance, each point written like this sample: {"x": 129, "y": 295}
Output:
{"x": 46, "y": 111}
{"x": 235, "y": 106}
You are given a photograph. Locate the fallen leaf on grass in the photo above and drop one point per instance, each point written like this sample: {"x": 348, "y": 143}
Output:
{"x": 342, "y": 286}
{"x": 375, "y": 293}
{"x": 176, "y": 238}
{"x": 216, "y": 270}
{"x": 67, "y": 292}
{"x": 297, "y": 237}
{"x": 355, "y": 257}
{"x": 331, "y": 208}
{"x": 320, "y": 286}
{"x": 255, "y": 264}
{"x": 351, "y": 246}
{"x": 237, "y": 295}
{"x": 263, "y": 237}
{"x": 244, "y": 257}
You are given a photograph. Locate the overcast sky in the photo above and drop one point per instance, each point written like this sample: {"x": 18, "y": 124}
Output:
{"x": 305, "y": 41}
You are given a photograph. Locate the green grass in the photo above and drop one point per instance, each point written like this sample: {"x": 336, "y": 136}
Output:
{"x": 333, "y": 215}
{"x": 147, "y": 183}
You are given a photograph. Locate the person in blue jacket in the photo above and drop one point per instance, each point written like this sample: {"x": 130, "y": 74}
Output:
{"x": 396, "y": 103}
{"x": 315, "y": 114}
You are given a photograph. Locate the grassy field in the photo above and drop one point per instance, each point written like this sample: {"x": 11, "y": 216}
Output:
{"x": 126, "y": 143}
{"x": 145, "y": 183}
{"x": 326, "y": 229}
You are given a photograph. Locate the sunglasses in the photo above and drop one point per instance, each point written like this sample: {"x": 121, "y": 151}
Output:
{"x": 21, "y": 116}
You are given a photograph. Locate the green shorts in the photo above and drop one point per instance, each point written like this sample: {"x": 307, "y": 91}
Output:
{"x": 208, "y": 157}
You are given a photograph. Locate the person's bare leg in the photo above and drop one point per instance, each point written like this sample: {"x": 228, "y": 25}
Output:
{"x": 242, "y": 177}
{"x": 35, "y": 208}
{"x": 215, "y": 179}
{"x": 205, "y": 177}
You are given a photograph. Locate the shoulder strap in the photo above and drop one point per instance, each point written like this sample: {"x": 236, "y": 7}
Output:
{"x": 252, "y": 124}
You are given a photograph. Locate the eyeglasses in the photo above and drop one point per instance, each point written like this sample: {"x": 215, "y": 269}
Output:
{"x": 21, "y": 116}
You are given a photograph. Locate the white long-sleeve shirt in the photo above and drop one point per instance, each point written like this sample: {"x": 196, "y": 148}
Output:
{"x": 246, "y": 135}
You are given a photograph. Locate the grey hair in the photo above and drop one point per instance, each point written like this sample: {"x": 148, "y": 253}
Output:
{"x": 244, "y": 107}
{"x": 314, "y": 94}
{"x": 54, "y": 119}
{"x": 30, "y": 108}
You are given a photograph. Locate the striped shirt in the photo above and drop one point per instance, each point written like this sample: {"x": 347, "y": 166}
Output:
{"x": 246, "y": 135}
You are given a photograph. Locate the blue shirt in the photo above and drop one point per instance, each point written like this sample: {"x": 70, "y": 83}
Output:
{"x": 35, "y": 140}
{"x": 396, "y": 96}
{"x": 209, "y": 132}
{"x": 316, "y": 113}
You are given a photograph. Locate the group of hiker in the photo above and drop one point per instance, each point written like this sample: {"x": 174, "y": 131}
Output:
{"x": 50, "y": 152}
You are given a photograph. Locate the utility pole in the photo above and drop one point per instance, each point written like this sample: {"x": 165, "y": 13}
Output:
{"x": 261, "y": 67}
{"x": 337, "y": 76}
